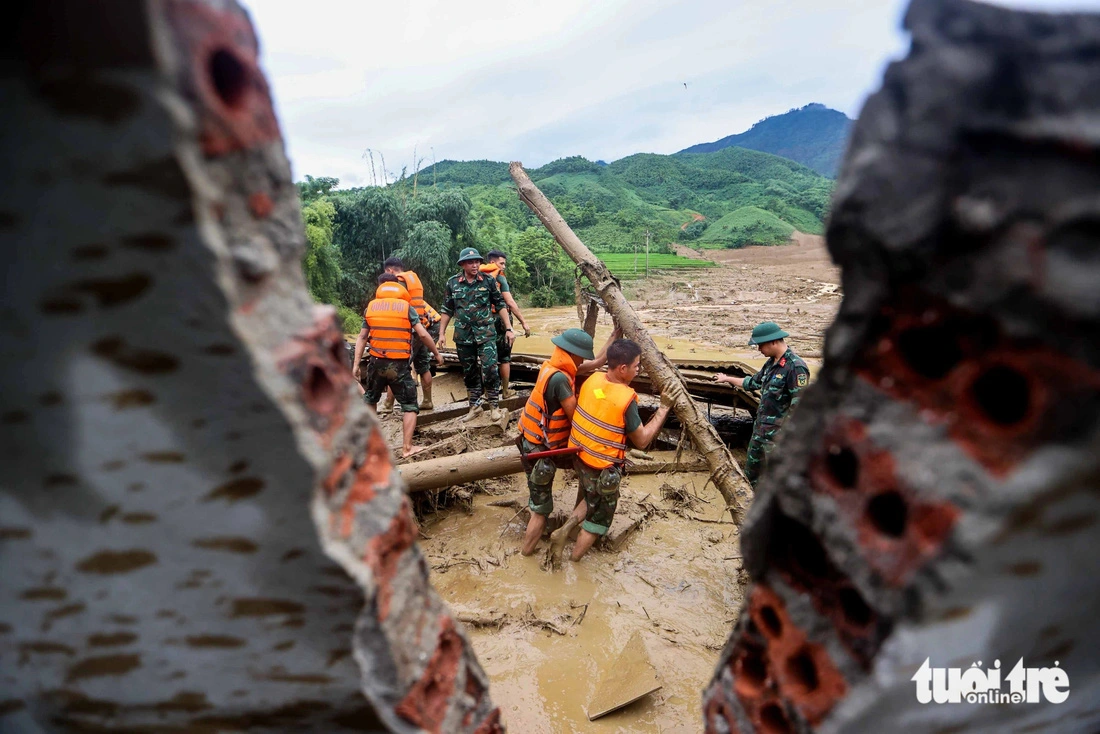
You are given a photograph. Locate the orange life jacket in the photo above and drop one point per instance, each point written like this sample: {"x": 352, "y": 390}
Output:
{"x": 551, "y": 431}
{"x": 599, "y": 422}
{"x": 392, "y": 290}
{"x": 492, "y": 270}
{"x": 432, "y": 315}
{"x": 388, "y": 320}
{"x": 416, "y": 293}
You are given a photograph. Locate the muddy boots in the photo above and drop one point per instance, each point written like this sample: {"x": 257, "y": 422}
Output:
{"x": 505, "y": 390}
{"x": 426, "y": 403}
{"x": 475, "y": 411}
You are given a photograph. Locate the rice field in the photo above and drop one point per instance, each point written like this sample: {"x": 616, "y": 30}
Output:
{"x": 622, "y": 264}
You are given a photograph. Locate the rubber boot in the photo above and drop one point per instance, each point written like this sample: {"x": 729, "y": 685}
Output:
{"x": 426, "y": 403}
{"x": 505, "y": 390}
{"x": 474, "y": 413}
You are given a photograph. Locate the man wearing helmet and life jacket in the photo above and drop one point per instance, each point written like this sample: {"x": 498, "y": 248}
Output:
{"x": 429, "y": 319}
{"x": 473, "y": 299}
{"x": 498, "y": 261}
{"x": 389, "y": 322}
{"x": 607, "y": 417}
{"x": 546, "y": 418}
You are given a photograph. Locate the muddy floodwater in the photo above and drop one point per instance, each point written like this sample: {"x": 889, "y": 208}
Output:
{"x": 546, "y": 323}
{"x": 675, "y": 580}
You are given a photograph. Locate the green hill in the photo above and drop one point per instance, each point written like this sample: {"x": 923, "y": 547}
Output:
{"x": 611, "y": 206}
{"x": 813, "y": 135}
{"x": 747, "y": 224}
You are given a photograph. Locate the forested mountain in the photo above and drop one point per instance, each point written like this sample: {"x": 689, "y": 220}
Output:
{"x": 814, "y": 136}
{"x": 728, "y": 198}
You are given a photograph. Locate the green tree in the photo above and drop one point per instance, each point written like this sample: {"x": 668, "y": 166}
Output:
{"x": 369, "y": 227}
{"x": 321, "y": 261}
{"x": 449, "y": 207}
{"x": 549, "y": 272}
{"x": 427, "y": 252}
{"x": 314, "y": 188}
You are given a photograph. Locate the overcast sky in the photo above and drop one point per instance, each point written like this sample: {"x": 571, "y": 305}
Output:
{"x": 535, "y": 81}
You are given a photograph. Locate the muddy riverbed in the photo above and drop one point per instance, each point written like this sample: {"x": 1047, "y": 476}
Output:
{"x": 674, "y": 579}
{"x": 546, "y": 639}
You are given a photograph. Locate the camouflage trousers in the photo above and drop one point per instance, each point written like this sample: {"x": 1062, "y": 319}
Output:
{"x": 602, "y": 501}
{"x": 763, "y": 436}
{"x": 391, "y": 373}
{"x": 421, "y": 355}
{"x": 479, "y": 372}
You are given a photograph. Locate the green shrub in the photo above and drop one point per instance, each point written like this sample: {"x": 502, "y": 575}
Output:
{"x": 350, "y": 321}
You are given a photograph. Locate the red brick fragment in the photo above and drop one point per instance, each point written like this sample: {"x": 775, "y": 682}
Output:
{"x": 384, "y": 552}
{"x": 803, "y": 672}
{"x": 223, "y": 78}
{"x": 897, "y": 531}
{"x": 426, "y": 703}
{"x": 261, "y": 205}
{"x": 374, "y": 473}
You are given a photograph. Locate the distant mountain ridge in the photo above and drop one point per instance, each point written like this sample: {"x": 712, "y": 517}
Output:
{"x": 814, "y": 136}
{"x": 729, "y": 198}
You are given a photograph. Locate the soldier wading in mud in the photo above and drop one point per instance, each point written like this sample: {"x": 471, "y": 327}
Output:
{"x": 389, "y": 322}
{"x": 496, "y": 266}
{"x": 546, "y": 419}
{"x": 471, "y": 298}
{"x": 779, "y": 381}
{"x": 605, "y": 421}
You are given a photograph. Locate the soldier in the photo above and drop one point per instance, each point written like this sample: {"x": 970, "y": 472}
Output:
{"x": 429, "y": 318}
{"x": 779, "y": 381}
{"x": 471, "y": 297}
{"x": 607, "y": 417}
{"x": 388, "y": 325}
{"x": 547, "y": 417}
{"x": 498, "y": 261}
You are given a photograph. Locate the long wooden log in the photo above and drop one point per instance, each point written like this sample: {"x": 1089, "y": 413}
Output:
{"x": 727, "y": 474}
{"x": 420, "y": 476}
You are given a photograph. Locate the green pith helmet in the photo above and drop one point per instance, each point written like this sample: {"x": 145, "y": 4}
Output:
{"x": 768, "y": 331}
{"x": 575, "y": 341}
{"x": 469, "y": 253}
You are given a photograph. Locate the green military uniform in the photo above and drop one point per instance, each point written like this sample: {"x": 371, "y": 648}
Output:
{"x": 779, "y": 381}
{"x": 471, "y": 306}
{"x": 504, "y": 349}
{"x": 603, "y": 501}
{"x": 389, "y": 373}
{"x": 422, "y": 357}
{"x": 540, "y": 480}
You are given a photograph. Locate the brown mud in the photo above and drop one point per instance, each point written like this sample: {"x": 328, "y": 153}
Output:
{"x": 547, "y": 639}
{"x": 674, "y": 580}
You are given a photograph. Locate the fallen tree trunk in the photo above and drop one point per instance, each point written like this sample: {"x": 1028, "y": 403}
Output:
{"x": 421, "y": 476}
{"x": 726, "y": 473}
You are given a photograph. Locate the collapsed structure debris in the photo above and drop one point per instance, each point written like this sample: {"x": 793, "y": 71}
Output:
{"x": 935, "y": 495}
{"x": 170, "y": 393}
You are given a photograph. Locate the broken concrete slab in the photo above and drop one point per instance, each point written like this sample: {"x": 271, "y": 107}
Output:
{"x": 629, "y": 678}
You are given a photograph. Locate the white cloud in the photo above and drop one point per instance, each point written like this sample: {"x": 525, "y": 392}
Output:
{"x": 520, "y": 80}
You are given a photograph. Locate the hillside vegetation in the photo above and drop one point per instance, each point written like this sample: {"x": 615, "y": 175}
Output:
{"x": 732, "y": 198}
{"x": 814, "y": 136}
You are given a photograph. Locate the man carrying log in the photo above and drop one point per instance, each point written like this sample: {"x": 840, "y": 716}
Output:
{"x": 429, "y": 318}
{"x": 779, "y": 381}
{"x": 471, "y": 298}
{"x": 388, "y": 325}
{"x": 605, "y": 418}
{"x": 546, "y": 419}
{"x": 498, "y": 261}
